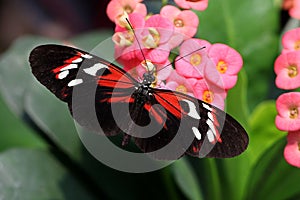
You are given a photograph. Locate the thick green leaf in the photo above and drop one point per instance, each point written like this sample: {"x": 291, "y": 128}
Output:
{"x": 14, "y": 132}
{"x": 251, "y": 27}
{"x": 236, "y": 103}
{"x": 90, "y": 40}
{"x": 272, "y": 178}
{"x": 186, "y": 179}
{"x": 98, "y": 43}
{"x": 15, "y": 74}
{"x": 233, "y": 176}
{"x": 263, "y": 132}
{"x": 36, "y": 175}
{"x": 53, "y": 117}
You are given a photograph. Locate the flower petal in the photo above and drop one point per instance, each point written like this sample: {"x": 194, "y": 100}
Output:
{"x": 292, "y": 149}
{"x": 288, "y": 107}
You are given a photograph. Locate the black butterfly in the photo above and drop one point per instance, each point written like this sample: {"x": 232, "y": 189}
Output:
{"x": 123, "y": 105}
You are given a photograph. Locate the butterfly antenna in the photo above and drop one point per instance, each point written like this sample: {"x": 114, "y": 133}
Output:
{"x": 138, "y": 44}
{"x": 181, "y": 57}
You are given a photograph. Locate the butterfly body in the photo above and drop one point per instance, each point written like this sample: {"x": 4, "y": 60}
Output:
{"x": 166, "y": 122}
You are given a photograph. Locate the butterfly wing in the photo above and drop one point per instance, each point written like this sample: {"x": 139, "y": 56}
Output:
{"x": 86, "y": 82}
{"x": 100, "y": 95}
{"x": 195, "y": 127}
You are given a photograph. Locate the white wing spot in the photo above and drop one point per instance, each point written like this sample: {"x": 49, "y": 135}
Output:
{"x": 86, "y": 56}
{"x": 94, "y": 69}
{"x": 78, "y": 60}
{"x": 70, "y": 66}
{"x": 210, "y": 136}
{"x": 210, "y": 116}
{"x": 193, "y": 112}
{"x": 196, "y": 133}
{"x": 63, "y": 74}
{"x": 211, "y": 130}
{"x": 75, "y": 82}
{"x": 207, "y": 106}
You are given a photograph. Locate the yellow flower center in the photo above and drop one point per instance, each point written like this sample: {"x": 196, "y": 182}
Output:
{"x": 121, "y": 20}
{"x": 128, "y": 9}
{"x": 195, "y": 59}
{"x": 148, "y": 65}
{"x": 181, "y": 88}
{"x": 123, "y": 38}
{"x": 152, "y": 40}
{"x": 292, "y": 71}
{"x": 297, "y": 45}
{"x": 178, "y": 23}
{"x": 208, "y": 96}
{"x": 299, "y": 146}
{"x": 154, "y": 83}
{"x": 294, "y": 112}
{"x": 222, "y": 66}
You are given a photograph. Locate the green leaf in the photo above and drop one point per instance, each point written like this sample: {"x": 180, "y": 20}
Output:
{"x": 15, "y": 133}
{"x": 263, "y": 132}
{"x": 36, "y": 175}
{"x": 236, "y": 103}
{"x": 53, "y": 117}
{"x": 186, "y": 179}
{"x": 251, "y": 27}
{"x": 90, "y": 40}
{"x": 15, "y": 74}
{"x": 98, "y": 43}
{"x": 272, "y": 178}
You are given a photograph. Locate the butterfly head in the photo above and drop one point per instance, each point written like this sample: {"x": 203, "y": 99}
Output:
{"x": 148, "y": 78}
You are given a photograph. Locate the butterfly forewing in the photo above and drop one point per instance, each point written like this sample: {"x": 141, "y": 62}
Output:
{"x": 60, "y": 68}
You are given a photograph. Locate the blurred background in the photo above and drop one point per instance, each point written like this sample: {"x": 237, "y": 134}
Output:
{"x": 59, "y": 19}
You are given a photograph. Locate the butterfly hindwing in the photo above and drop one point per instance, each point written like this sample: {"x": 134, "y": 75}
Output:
{"x": 213, "y": 132}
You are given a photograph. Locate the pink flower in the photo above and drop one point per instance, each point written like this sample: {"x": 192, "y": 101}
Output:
{"x": 293, "y": 6}
{"x": 291, "y": 40}
{"x": 228, "y": 63}
{"x": 192, "y": 59}
{"x": 292, "y": 149}
{"x": 287, "y": 68}
{"x": 178, "y": 83}
{"x": 156, "y": 38}
{"x": 118, "y": 10}
{"x": 209, "y": 92}
{"x": 185, "y": 22}
{"x": 194, "y": 4}
{"x": 288, "y": 107}
{"x": 126, "y": 42}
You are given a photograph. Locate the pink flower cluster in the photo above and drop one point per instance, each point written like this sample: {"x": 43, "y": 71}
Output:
{"x": 203, "y": 70}
{"x": 293, "y": 7}
{"x": 287, "y": 66}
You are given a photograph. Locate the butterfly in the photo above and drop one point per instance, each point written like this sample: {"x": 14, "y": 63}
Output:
{"x": 166, "y": 122}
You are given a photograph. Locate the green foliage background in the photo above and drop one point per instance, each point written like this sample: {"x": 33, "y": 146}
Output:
{"x": 42, "y": 157}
